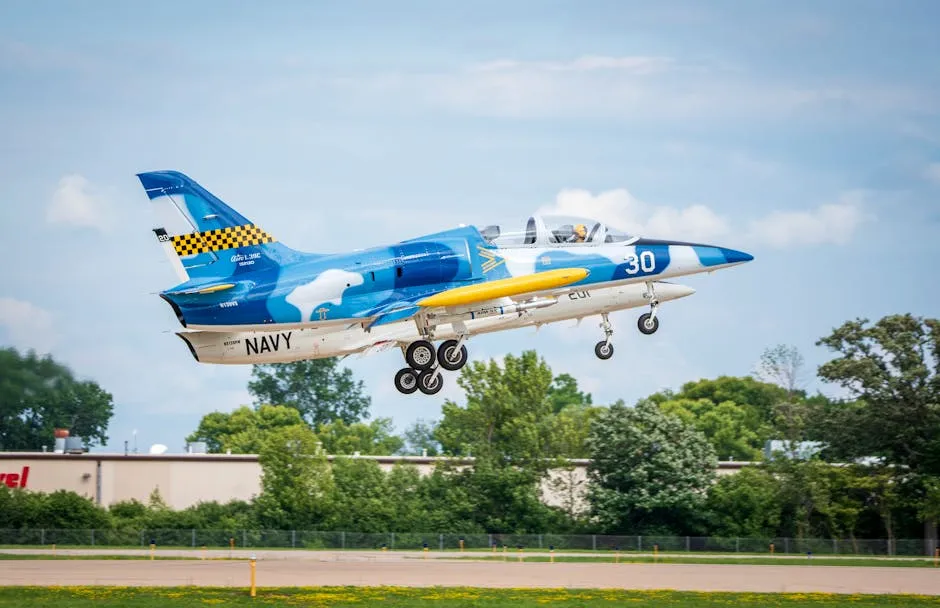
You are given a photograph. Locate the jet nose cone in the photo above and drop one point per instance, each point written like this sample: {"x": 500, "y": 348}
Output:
{"x": 736, "y": 257}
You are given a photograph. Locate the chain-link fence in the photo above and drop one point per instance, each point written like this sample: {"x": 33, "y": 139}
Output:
{"x": 309, "y": 539}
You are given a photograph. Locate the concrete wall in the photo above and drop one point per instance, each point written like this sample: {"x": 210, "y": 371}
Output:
{"x": 186, "y": 479}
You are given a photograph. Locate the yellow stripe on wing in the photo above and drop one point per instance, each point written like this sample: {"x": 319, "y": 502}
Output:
{"x": 540, "y": 281}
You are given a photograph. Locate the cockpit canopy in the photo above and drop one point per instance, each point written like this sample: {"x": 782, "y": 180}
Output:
{"x": 555, "y": 230}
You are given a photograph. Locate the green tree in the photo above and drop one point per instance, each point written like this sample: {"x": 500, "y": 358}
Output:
{"x": 563, "y": 392}
{"x": 317, "y": 388}
{"x": 361, "y": 497}
{"x": 735, "y": 431}
{"x": 746, "y": 504}
{"x": 38, "y": 395}
{"x": 647, "y": 469}
{"x": 244, "y": 430}
{"x": 419, "y": 438}
{"x": 892, "y": 371}
{"x": 507, "y": 415}
{"x": 373, "y": 438}
{"x": 296, "y": 480}
{"x": 506, "y": 426}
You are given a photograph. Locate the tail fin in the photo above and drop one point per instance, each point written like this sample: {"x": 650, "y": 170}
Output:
{"x": 197, "y": 230}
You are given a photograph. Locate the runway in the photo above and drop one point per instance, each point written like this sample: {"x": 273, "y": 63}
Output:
{"x": 426, "y": 573}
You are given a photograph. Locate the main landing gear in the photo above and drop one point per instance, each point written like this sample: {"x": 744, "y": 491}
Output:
{"x": 648, "y": 323}
{"x": 425, "y": 363}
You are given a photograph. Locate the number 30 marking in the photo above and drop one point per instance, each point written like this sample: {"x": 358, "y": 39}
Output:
{"x": 645, "y": 262}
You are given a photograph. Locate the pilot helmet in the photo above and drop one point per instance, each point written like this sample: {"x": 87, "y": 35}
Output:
{"x": 580, "y": 230}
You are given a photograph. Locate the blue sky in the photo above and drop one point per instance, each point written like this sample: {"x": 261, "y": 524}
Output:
{"x": 806, "y": 133}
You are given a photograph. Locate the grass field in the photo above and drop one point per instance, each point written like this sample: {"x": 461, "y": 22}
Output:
{"x": 21, "y": 556}
{"x": 364, "y": 597}
{"x": 752, "y": 561}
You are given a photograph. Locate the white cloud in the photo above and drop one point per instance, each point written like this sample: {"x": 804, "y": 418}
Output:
{"x": 637, "y": 87}
{"x": 587, "y": 63}
{"x": 834, "y": 223}
{"x": 932, "y": 173}
{"x": 831, "y": 223}
{"x": 27, "y": 325}
{"x": 75, "y": 202}
{"x": 621, "y": 209}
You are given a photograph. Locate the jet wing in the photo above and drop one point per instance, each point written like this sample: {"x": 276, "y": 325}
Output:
{"x": 512, "y": 286}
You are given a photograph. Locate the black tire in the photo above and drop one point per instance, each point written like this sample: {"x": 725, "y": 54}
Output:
{"x": 445, "y": 350}
{"x": 406, "y": 380}
{"x": 427, "y": 386}
{"x": 645, "y": 326}
{"x": 420, "y": 355}
{"x": 604, "y": 350}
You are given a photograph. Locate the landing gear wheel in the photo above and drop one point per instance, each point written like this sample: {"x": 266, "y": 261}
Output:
{"x": 449, "y": 357}
{"x": 647, "y": 323}
{"x": 406, "y": 380}
{"x": 429, "y": 382}
{"x": 604, "y": 350}
{"x": 420, "y": 355}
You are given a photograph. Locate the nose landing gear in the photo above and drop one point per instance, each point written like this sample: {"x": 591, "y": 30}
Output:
{"x": 604, "y": 349}
{"x": 648, "y": 323}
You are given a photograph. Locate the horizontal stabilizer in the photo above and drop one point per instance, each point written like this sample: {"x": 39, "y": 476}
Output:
{"x": 512, "y": 286}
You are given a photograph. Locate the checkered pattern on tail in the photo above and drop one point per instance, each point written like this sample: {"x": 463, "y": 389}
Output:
{"x": 219, "y": 239}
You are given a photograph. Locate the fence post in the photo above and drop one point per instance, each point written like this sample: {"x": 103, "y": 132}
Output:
{"x": 737, "y": 546}
{"x": 141, "y": 538}
{"x": 293, "y": 539}
{"x": 688, "y": 544}
{"x": 194, "y": 537}
{"x": 786, "y": 545}
{"x": 42, "y": 536}
{"x": 92, "y": 537}
{"x": 392, "y": 546}
{"x": 440, "y": 539}
{"x": 594, "y": 542}
{"x": 343, "y": 537}
{"x": 639, "y": 543}
{"x": 540, "y": 541}
{"x": 489, "y": 540}
{"x": 835, "y": 546}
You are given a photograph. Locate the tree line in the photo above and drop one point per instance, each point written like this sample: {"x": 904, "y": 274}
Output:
{"x": 871, "y": 470}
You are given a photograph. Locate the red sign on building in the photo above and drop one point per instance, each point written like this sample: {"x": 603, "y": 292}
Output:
{"x": 15, "y": 480}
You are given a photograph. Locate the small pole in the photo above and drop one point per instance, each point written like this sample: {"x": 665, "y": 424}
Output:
{"x": 617, "y": 558}
{"x": 204, "y": 553}
{"x": 231, "y": 547}
{"x": 494, "y": 547}
{"x": 655, "y": 553}
{"x": 252, "y": 565}
{"x": 519, "y": 548}
{"x": 936, "y": 556}
{"x": 152, "y": 546}
{"x": 461, "y": 545}
{"x": 504, "y": 552}
{"x": 425, "y": 550}
{"x": 384, "y": 547}
{"x": 551, "y": 550}
{"x": 53, "y": 549}
{"x": 771, "y": 548}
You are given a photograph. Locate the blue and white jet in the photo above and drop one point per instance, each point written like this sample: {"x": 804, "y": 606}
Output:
{"x": 246, "y": 298}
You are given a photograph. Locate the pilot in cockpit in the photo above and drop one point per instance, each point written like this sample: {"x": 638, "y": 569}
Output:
{"x": 578, "y": 235}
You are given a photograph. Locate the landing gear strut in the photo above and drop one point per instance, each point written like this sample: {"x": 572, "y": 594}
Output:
{"x": 648, "y": 323}
{"x": 604, "y": 349}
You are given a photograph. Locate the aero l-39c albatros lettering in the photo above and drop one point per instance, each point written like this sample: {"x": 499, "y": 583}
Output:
{"x": 246, "y": 298}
